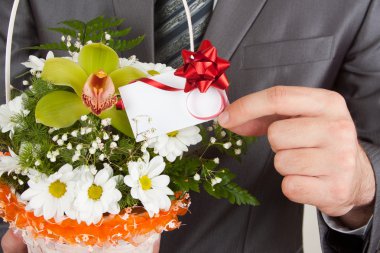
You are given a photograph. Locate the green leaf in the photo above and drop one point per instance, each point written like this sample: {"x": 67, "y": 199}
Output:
{"x": 60, "y": 71}
{"x": 123, "y": 45}
{"x": 119, "y": 120}
{"x": 75, "y": 24}
{"x": 60, "y": 109}
{"x": 120, "y": 33}
{"x": 97, "y": 56}
{"x": 232, "y": 192}
{"x": 50, "y": 46}
{"x": 65, "y": 31}
{"x": 125, "y": 75}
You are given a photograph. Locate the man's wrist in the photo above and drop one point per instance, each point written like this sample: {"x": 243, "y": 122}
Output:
{"x": 363, "y": 210}
{"x": 357, "y": 217}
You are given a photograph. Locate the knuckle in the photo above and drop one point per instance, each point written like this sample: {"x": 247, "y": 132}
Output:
{"x": 273, "y": 135}
{"x": 348, "y": 159}
{"x": 279, "y": 163}
{"x": 243, "y": 107}
{"x": 337, "y": 99}
{"x": 276, "y": 93}
{"x": 289, "y": 188}
{"x": 341, "y": 193}
{"x": 343, "y": 129}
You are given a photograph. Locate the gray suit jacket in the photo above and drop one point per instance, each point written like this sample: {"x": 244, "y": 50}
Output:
{"x": 333, "y": 44}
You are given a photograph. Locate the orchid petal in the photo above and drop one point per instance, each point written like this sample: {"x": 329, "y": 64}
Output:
{"x": 119, "y": 120}
{"x": 95, "y": 57}
{"x": 64, "y": 72}
{"x": 60, "y": 109}
{"x": 98, "y": 93}
{"x": 125, "y": 76}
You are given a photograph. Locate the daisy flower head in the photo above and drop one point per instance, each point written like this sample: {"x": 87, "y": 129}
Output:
{"x": 172, "y": 145}
{"x": 148, "y": 185}
{"x": 97, "y": 194}
{"x": 35, "y": 64}
{"x": 124, "y": 62}
{"x": 152, "y": 69}
{"x": 10, "y": 110}
{"x": 9, "y": 163}
{"x": 51, "y": 196}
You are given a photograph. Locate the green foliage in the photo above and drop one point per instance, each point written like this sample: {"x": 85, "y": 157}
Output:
{"x": 94, "y": 30}
{"x": 232, "y": 192}
{"x": 47, "y": 149}
{"x": 126, "y": 200}
{"x": 182, "y": 172}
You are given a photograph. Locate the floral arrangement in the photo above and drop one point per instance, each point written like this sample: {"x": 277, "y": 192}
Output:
{"x": 71, "y": 168}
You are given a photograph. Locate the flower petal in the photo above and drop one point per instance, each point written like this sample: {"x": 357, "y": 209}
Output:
{"x": 97, "y": 56}
{"x": 101, "y": 177}
{"x": 126, "y": 75}
{"x": 64, "y": 72}
{"x": 119, "y": 120}
{"x": 99, "y": 93}
{"x": 60, "y": 109}
{"x": 130, "y": 182}
{"x": 160, "y": 181}
{"x": 156, "y": 166}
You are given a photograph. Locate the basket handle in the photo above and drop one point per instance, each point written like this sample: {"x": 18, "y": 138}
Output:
{"x": 189, "y": 24}
{"x": 8, "y": 51}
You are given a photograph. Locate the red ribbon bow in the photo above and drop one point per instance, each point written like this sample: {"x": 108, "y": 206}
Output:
{"x": 203, "y": 69}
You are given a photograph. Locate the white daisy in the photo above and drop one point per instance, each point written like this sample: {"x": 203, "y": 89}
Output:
{"x": 51, "y": 196}
{"x": 172, "y": 145}
{"x": 36, "y": 64}
{"x": 8, "y": 111}
{"x": 152, "y": 69}
{"x": 96, "y": 195}
{"x": 10, "y": 163}
{"x": 124, "y": 62}
{"x": 148, "y": 185}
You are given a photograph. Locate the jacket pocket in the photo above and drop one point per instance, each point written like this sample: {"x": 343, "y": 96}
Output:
{"x": 283, "y": 53}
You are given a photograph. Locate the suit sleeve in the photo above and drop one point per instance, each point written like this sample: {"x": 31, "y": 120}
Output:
{"x": 25, "y": 35}
{"x": 359, "y": 83}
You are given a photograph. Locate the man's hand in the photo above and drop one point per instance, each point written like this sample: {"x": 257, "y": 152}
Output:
{"x": 11, "y": 243}
{"x": 317, "y": 150}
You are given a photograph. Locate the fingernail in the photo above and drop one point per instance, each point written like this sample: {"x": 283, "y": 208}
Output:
{"x": 223, "y": 118}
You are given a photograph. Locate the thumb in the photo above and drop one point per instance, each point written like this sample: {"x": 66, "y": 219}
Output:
{"x": 13, "y": 243}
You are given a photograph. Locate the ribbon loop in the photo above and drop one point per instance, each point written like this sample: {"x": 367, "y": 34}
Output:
{"x": 203, "y": 69}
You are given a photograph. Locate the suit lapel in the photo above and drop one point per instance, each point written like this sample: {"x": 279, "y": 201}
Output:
{"x": 230, "y": 22}
{"x": 138, "y": 14}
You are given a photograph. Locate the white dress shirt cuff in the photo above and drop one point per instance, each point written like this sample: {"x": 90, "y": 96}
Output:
{"x": 334, "y": 224}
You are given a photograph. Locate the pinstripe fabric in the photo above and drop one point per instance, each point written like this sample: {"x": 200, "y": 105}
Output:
{"x": 171, "y": 30}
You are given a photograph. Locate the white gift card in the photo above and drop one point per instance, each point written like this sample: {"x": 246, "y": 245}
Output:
{"x": 154, "y": 111}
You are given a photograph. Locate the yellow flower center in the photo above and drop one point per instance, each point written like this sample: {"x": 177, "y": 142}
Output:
{"x": 145, "y": 182}
{"x": 153, "y": 72}
{"x": 57, "y": 189}
{"x": 95, "y": 192}
{"x": 173, "y": 134}
{"x": 101, "y": 74}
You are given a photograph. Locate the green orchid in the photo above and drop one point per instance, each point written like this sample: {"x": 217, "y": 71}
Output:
{"x": 95, "y": 80}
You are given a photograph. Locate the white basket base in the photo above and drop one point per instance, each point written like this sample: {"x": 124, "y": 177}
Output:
{"x": 40, "y": 245}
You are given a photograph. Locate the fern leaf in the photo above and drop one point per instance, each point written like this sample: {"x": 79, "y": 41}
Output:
{"x": 75, "y": 24}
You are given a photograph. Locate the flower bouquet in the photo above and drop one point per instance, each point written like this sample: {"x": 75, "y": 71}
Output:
{"x": 72, "y": 175}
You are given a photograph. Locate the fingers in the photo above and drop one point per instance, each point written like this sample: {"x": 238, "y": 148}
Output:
{"x": 283, "y": 100}
{"x": 334, "y": 201}
{"x": 299, "y": 133}
{"x": 303, "y": 189}
{"x": 303, "y": 162}
{"x": 12, "y": 243}
{"x": 256, "y": 127}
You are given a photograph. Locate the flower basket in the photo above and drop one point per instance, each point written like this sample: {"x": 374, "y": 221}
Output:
{"x": 132, "y": 230}
{"x": 75, "y": 177}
